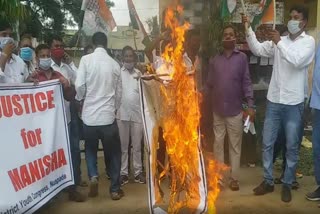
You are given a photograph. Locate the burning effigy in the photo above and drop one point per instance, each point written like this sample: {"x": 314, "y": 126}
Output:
{"x": 170, "y": 103}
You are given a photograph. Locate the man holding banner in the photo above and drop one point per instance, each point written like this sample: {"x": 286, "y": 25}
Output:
{"x": 292, "y": 55}
{"x": 36, "y": 162}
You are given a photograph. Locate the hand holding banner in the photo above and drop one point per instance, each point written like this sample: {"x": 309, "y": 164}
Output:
{"x": 35, "y": 162}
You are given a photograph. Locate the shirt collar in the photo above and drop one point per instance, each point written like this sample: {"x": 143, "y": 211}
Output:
{"x": 235, "y": 51}
{"x": 99, "y": 49}
{"x": 302, "y": 35}
{"x": 124, "y": 69}
{"x": 55, "y": 64}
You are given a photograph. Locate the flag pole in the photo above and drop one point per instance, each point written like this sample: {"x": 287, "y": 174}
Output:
{"x": 274, "y": 14}
{"x": 246, "y": 25}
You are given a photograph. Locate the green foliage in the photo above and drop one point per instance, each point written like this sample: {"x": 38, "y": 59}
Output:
{"x": 43, "y": 17}
{"x": 12, "y": 10}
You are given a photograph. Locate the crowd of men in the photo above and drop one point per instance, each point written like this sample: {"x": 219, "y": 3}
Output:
{"x": 105, "y": 95}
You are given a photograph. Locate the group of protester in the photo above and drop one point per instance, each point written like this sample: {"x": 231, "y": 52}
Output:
{"x": 288, "y": 89}
{"x": 105, "y": 95}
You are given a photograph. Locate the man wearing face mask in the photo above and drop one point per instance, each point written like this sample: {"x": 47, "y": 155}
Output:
{"x": 12, "y": 67}
{"x": 229, "y": 82}
{"x": 292, "y": 55}
{"x": 129, "y": 118}
{"x": 26, "y": 52}
{"x": 45, "y": 72}
{"x": 61, "y": 63}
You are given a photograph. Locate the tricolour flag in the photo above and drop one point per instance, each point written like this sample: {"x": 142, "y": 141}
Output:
{"x": 97, "y": 17}
{"x": 227, "y": 7}
{"x": 265, "y": 13}
{"x": 136, "y": 22}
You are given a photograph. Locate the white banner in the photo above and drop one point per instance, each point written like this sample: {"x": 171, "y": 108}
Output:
{"x": 152, "y": 110}
{"x": 35, "y": 159}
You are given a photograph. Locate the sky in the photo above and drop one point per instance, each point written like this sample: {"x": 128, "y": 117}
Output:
{"x": 145, "y": 9}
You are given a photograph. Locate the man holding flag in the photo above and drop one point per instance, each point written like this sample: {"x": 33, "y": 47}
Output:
{"x": 136, "y": 22}
{"x": 292, "y": 55}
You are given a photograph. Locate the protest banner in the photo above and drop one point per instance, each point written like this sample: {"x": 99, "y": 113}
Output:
{"x": 35, "y": 158}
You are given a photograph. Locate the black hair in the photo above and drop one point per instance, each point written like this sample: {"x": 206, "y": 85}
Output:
{"x": 301, "y": 9}
{"x": 100, "y": 38}
{"x": 4, "y": 24}
{"x": 127, "y": 48}
{"x": 54, "y": 37}
{"x": 41, "y": 47}
{"x": 85, "y": 50}
{"x": 230, "y": 26}
{"x": 25, "y": 36}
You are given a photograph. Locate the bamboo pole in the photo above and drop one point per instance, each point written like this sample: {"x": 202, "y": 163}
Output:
{"x": 274, "y": 14}
{"x": 244, "y": 10}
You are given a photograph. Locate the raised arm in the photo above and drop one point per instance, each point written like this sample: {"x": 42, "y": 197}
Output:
{"x": 264, "y": 49}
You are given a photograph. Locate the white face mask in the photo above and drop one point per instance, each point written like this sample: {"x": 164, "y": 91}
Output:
{"x": 293, "y": 26}
{"x": 129, "y": 66}
{"x": 4, "y": 41}
{"x": 45, "y": 63}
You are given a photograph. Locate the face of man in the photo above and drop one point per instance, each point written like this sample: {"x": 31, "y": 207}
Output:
{"x": 5, "y": 38}
{"x": 44, "y": 60}
{"x": 57, "y": 50}
{"x": 297, "y": 23}
{"x": 229, "y": 34}
{"x": 26, "y": 43}
{"x": 26, "y": 50}
{"x": 229, "y": 38}
{"x": 6, "y": 33}
{"x": 57, "y": 44}
{"x": 128, "y": 56}
{"x": 295, "y": 15}
{"x": 44, "y": 53}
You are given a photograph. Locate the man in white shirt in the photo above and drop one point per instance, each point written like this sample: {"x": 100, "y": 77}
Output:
{"x": 129, "y": 118}
{"x": 57, "y": 54}
{"x": 12, "y": 67}
{"x": 99, "y": 84}
{"x": 292, "y": 56}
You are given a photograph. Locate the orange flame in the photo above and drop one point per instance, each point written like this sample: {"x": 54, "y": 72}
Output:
{"x": 181, "y": 126}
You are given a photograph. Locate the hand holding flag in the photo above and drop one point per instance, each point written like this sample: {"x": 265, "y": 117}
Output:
{"x": 136, "y": 22}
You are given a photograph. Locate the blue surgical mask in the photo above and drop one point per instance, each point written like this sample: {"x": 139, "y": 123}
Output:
{"x": 4, "y": 41}
{"x": 26, "y": 54}
{"x": 293, "y": 26}
{"x": 45, "y": 63}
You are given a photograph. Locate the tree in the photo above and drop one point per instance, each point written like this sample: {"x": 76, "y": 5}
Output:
{"x": 12, "y": 10}
{"x": 50, "y": 17}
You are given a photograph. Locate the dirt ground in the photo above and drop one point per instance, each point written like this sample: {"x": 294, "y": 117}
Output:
{"x": 242, "y": 202}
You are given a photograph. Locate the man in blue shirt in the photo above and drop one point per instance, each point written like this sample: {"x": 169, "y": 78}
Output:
{"x": 315, "y": 105}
